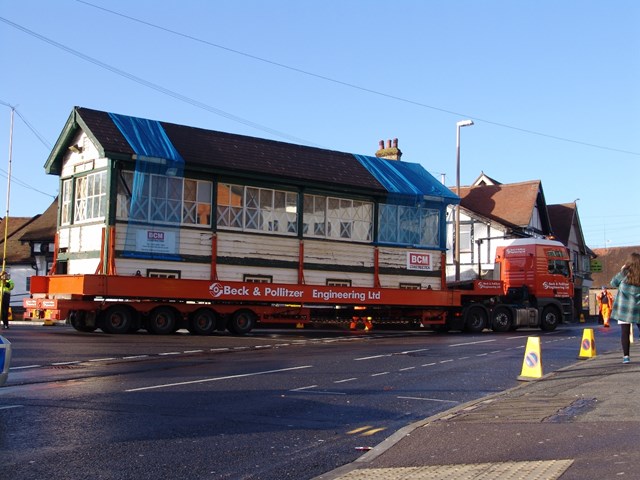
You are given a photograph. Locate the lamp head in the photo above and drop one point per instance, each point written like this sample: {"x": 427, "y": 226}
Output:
{"x": 465, "y": 123}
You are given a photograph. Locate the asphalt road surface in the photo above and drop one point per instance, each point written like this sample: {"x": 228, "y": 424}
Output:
{"x": 270, "y": 405}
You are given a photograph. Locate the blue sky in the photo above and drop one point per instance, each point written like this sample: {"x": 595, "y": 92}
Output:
{"x": 552, "y": 86}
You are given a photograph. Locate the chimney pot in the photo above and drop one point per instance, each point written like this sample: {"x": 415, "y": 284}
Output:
{"x": 395, "y": 143}
{"x": 381, "y": 144}
{"x": 389, "y": 143}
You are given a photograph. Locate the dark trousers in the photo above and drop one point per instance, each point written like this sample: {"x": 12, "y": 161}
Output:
{"x": 626, "y": 329}
{"x": 6, "y": 300}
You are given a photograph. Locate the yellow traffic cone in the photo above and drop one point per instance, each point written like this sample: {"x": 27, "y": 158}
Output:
{"x": 582, "y": 318}
{"x": 588, "y": 344}
{"x": 532, "y": 363}
{"x": 299, "y": 325}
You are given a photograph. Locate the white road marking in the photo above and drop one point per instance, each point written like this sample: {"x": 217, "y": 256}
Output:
{"x": 101, "y": 359}
{"x": 303, "y": 388}
{"x": 428, "y": 364}
{"x": 378, "y": 374}
{"x": 25, "y": 367}
{"x": 65, "y": 363}
{"x": 429, "y": 399}
{"x": 216, "y": 379}
{"x": 372, "y": 357}
{"x": 406, "y": 368}
{"x": 7, "y": 407}
{"x": 135, "y": 356}
{"x": 471, "y": 343}
{"x": 446, "y": 361}
{"x": 414, "y": 351}
{"x": 193, "y": 351}
{"x": 168, "y": 353}
{"x": 346, "y": 380}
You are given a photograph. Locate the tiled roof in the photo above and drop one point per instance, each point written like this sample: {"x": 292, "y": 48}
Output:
{"x": 511, "y": 204}
{"x": 17, "y": 251}
{"x": 243, "y": 155}
{"x": 611, "y": 260}
{"x": 561, "y": 218}
{"x": 43, "y": 228}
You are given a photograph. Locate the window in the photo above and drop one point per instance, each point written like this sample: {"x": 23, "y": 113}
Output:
{"x": 410, "y": 286}
{"x": 90, "y": 201}
{"x": 163, "y": 273}
{"x": 334, "y": 282}
{"x": 65, "y": 208}
{"x": 258, "y": 279}
{"x": 164, "y": 199}
{"x": 257, "y": 209}
{"x": 338, "y": 218}
{"x": 465, "y": 237}
{"x": 404, "y": 225}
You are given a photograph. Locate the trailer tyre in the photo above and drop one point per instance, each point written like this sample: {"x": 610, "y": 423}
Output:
{"x": 475, "y": 319}
{"x": 502, "y": 319}
{"x": 550, "y": 318}
{"x": 202, "y": 321}
{"x": 162, "y": 321}
{"x": 242, "y": 322}
{"x": 78, "y": 322}
{"x": 117, "y": 319}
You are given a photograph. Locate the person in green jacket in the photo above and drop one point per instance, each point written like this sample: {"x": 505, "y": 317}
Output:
{"x": 626, "y": 306}
{"x": 7, "y": 285}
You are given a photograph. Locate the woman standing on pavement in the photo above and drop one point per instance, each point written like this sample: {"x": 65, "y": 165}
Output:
{"x": 626, "y": 306}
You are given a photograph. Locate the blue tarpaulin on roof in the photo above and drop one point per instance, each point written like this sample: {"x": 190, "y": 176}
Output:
{"x": 406, "y": 181}
{"x": 158, "y": 172}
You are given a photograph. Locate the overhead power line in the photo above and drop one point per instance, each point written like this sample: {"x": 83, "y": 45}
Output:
{"x": 156, "y": 87}
{"x": 354, "y": 86}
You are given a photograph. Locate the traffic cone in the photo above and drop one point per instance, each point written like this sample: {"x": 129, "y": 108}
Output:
{"x": 532, "y": 363}
{"x": 299, "y": 325}
{"x": 10, "y": 316}
{"x": 588, "y": 344}
{"x": 367, "y": 324}
{"x": 582, "y": 318}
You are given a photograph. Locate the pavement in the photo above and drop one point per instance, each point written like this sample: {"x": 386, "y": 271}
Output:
{"x": 581, "y": 422}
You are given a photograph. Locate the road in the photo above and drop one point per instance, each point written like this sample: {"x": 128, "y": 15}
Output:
{"x": 270, "y": 405}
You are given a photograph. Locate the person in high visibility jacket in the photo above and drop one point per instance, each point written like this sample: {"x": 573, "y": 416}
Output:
{"x": 605, "y": 303}
{"x": 6, "y": 285}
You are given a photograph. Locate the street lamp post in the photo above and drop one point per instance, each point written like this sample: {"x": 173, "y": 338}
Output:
{"x": 461, "y": 123}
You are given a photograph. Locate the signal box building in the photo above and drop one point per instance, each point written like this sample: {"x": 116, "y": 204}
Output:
{"x": 155, "y": 199}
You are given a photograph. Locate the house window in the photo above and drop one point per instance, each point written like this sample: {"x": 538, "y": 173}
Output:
{"x": 90, "y": 201}
{"x": 465, "y": 237}
{"x": 163, "y": 273}
{"x": 258, "y": 278}
{"x": 338, "y": 218}
{"x": 404, "y": 225}
{"x": 65, "y": 207}
{"x": 337, "y": 282}
{"x": 257, "y": 209}
{"x": 164, "y": 199}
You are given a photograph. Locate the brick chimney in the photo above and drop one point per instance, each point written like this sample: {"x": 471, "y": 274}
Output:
{"x": 391, "y": 152}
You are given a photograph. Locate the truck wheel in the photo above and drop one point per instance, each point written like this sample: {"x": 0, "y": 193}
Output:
{"x": 202, "y": 321}
{"x": 162, "y": 321}
{"x": 117, "y": 319}
{"x": 475, "y": 319}
{"x": 550, "y": 318}
{"x": 241, "y": 322}
{"x": 78, "y": 322}
{"x": 502, "y": 319}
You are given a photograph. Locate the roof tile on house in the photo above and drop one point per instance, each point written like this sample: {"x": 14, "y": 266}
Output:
{"x": 16, "y": 251}
{"x": 611, "y": 260}
{"x": 511, "y": 204}
{"x": 241, "y": 154}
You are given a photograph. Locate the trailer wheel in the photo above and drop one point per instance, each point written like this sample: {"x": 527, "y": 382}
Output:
{"x": 77, "y": 319}
{"x": 502, "y": 319}
{"x": 241, "y": 322}
{"x": 475, "y": 319}
{"x": 550, "y": 318}
{"x": 202, "y": 321}
{"x": 162, "y": 321}
{"x": 117, "y": 319}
